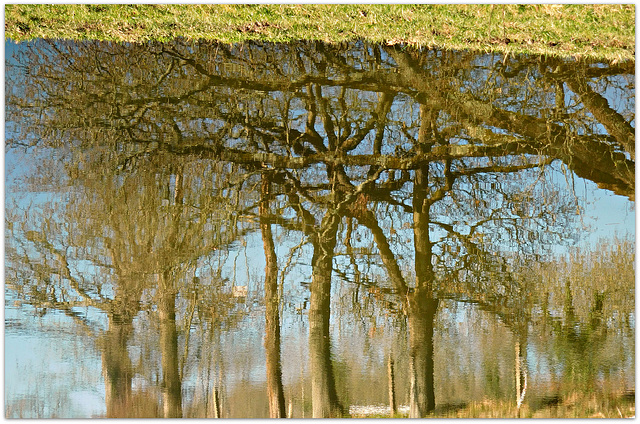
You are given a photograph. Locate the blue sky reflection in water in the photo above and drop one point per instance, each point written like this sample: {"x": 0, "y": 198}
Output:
{"x": 184, "y": 239}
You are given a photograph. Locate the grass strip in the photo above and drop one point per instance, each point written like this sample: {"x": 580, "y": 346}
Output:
{"x": 597, "y": 31}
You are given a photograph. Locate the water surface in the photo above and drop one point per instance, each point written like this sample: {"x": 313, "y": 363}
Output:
{"x": 305, "y": 230}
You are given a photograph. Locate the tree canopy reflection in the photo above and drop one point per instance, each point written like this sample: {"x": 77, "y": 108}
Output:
{"x": 440, "y": 170}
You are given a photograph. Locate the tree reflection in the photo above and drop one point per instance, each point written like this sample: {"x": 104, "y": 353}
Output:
{"x": 170, "y": 153}
{"x": 272, "y": 311}
{"x": 136, "y": 232}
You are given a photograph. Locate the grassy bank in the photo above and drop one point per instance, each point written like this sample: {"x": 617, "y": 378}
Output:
{"x": 595, "y": 31}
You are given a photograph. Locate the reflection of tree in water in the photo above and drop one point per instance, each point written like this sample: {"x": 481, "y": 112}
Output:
{"x": 144, "y": 243}
{"x": 442, "y": 164}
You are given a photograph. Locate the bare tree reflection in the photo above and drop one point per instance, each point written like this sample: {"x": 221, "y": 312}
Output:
{"x": 439, "y": 164}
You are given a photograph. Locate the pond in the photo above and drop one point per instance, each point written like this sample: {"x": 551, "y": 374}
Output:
{"x": 312, "y": 230}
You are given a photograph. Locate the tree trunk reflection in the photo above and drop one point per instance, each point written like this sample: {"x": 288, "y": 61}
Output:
{"x": 275, "y": 392}
{"x": 421, "y": 306}
{"x": 117, "y": 367}
{"x": 422, "y": 313}
{"x": 323, "y": 388}
{"x": 171, "y": 382}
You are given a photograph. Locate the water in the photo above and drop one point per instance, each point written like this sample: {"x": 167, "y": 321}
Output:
{"x": 205, "y": 230}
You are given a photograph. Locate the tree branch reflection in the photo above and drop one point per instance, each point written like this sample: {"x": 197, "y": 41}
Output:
{"x": 439, "y": 165}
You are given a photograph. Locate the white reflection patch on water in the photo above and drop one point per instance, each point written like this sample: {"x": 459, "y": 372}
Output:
{"x": 87, "y": 403}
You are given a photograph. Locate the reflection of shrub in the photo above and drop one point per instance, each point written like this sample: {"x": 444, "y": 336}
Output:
{"x": 575, "y": 405}
{"x": 589, "y": 281}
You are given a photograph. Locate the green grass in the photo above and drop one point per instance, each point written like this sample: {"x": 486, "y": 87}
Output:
{"x": 596, "y": 31}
